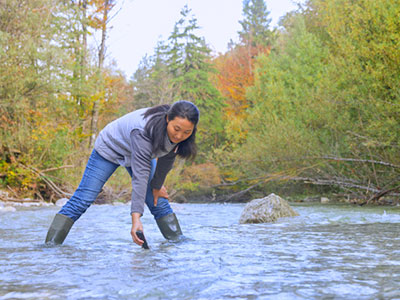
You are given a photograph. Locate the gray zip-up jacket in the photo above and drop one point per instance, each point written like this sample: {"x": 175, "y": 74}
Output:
{"x": 124, "y": 142}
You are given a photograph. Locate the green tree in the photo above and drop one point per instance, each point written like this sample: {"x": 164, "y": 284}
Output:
{"x": 325, "y": 101}
{"x": 45, "y": 95}
{"x": 34, "y": 127}
{"x": 188, "y": 59}
{"x": 152, "y": 81}
{"x": 285, "y": 113}
{"x": 256, "y": 24}
{"x": 364, "y": 39}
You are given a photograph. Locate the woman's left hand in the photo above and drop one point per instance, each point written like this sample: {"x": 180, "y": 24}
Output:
{"x": 160, "y": 193}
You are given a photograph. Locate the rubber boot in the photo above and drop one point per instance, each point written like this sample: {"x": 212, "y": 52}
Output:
{"x": 169, "y": 227}
{"x": 59, "y": 229}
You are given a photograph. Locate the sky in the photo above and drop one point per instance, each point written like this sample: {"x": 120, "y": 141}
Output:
{"x": 138, "y": 25}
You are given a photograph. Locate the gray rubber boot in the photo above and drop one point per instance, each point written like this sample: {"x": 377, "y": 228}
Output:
{"x": 169, "y": 227}
{"x": 59, "y": 229}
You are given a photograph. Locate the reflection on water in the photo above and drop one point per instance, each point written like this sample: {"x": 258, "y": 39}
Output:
{"x": 328, "y": 252}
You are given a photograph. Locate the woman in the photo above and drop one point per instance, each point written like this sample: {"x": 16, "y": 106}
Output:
{"x": 145, "y": 142}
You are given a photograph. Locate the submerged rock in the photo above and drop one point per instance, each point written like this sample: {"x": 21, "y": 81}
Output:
{"x": 325, "y": 200}
{"x": 7, "y": 209}
{"x": 266, "y": 210}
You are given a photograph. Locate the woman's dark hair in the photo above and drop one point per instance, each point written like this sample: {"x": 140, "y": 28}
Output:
{"x": 156, "y": 127}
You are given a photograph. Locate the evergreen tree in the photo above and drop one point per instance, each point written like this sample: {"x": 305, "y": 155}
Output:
{"x": 188, "y": 59}
{"x": 256, "y": 24}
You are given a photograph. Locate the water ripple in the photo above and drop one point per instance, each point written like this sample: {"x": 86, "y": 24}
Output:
{"x": 328, "y": 252}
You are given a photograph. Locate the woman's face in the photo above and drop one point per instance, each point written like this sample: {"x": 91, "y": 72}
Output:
{"x": 179, "y": 129}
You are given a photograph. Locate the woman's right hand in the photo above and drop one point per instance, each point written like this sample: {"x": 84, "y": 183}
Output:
{"x": 136, "y": 226}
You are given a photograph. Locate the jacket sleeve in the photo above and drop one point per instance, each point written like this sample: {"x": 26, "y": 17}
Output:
{"x": 141, "y": 167}
{"x": 164, "y": 165}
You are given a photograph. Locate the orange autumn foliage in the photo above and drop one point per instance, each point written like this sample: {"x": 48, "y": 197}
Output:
{"x": 97, "y": 18}
{"x": 234, "y": 74}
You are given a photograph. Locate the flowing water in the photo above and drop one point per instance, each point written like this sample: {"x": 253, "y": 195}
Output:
{"x": 328, "y": 252}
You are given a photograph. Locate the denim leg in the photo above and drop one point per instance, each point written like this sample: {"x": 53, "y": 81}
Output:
{"x": 97, "y": 172}
{"x": 163, "y": 208}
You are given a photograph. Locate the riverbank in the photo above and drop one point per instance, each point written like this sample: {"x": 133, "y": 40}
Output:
{"x": 11, "y": 205}
{"x": 324, "y": 198}
{"x": 10, "y": 202}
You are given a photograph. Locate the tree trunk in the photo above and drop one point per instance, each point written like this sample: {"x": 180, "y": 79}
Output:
{"x": 84, "y": 40}
{"x": 102, "y": 50}
{"x": 80, "y": 48}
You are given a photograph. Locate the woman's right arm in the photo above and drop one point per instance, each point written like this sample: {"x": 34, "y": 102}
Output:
{"x": 141, "y": 148}
{"x": 141, "y": 167}
{"x": 136, "y": 226}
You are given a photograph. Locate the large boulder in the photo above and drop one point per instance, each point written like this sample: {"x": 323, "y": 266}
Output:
{"x": 266, "y": 210}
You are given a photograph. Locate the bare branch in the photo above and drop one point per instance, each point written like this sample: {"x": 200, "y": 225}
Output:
{"x": 243, "y": 192}
{"x": 116, "y": 13}
{"x": 361, "y": 160}
{"x": 49, "y": 183}
{"x": 382, "y": 193}
{"x": 343, "y": 183}
{"x": 58, "y": 168}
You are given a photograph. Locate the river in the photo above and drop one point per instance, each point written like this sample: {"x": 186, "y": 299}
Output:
{"x": 328, "y": 252}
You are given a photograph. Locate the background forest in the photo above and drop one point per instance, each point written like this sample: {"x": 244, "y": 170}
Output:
{"x": 309, "y": 108}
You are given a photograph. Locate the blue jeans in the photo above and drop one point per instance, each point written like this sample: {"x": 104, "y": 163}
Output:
{"x": 98, "y": 171}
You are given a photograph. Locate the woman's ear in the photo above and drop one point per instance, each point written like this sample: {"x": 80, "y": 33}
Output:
{"x": 166, "y": 117}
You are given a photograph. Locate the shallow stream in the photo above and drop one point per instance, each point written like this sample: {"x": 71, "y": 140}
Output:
{"x": 328, "y": 252}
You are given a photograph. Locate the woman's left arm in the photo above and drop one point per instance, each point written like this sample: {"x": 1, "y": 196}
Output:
{"x": 164, "y": 165}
